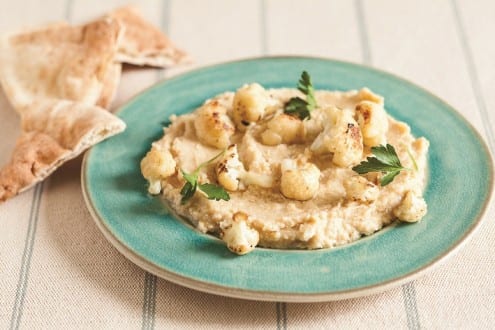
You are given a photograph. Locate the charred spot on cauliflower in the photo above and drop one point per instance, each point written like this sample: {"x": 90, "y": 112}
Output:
{"x": 229, "y": 168}
{"x": 232, "y": 175}
{"x": 373, "y": 121}
{"x": 341, "y": 136}
{"x": 239, "y": 237}
{"x": 250, "y": 102}
{"x": 360, "y": 189}
{"x": 213, "y": 126}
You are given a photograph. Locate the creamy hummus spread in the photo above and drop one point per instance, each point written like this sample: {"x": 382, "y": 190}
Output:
{"x": 290, "y": 181}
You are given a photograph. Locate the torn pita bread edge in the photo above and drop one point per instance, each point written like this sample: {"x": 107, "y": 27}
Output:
{"x": 34, "y": 157}
{"x": 38, "y": 153}
{"x": 145, "y": 44}
{"x": 65, "y": 62}
{"x": 164, "y": 61}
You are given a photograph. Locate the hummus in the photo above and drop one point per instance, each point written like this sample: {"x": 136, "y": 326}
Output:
{"x": 290, "y": 181}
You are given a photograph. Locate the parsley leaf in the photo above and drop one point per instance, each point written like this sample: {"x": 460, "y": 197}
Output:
{"x": 298, "y": 106}
{"x": 386, "y": 155}
{"x": 306, "y": 87}
{"x": 385, "y": 161}
{"x": 187, "y": 192}
{"x": 190, "y": 186}
{"x": 212, "y": 191}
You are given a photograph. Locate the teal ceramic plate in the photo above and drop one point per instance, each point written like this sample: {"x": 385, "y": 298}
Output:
{"x": 458, "y": 190}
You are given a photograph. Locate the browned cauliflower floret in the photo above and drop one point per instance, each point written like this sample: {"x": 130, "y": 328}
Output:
{"x": 239, "y": 237}
{"x": 213, "y": 126}
{"x": 232, "y": 175}
{"x": 412, "y": 208}
{"x": 299, "y": 181}
{"x": 250, "y": 102}
{"x": 365, "y": 94}
{"x": 155, "y": 166}
{"x": 341, "y": 136}
{"x": 373, "y": 121}
{"x": 283, "y": 128}
{"x": 359, "y": 189}
{"x": 229, "y": 168}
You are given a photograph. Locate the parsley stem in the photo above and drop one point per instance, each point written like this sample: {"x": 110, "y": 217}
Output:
{"x": 208, "y": 162}
{"x": 415, "y": 165}
{"x": 191, "y": 185}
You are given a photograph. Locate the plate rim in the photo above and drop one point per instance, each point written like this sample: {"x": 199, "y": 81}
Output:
{"x": 260, "y": 295}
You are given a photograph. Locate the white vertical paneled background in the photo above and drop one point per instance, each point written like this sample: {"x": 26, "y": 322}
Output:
{"x": 474, "y": 23}
{"x": 218, "y": 30}
{"x": 315, "y": 28}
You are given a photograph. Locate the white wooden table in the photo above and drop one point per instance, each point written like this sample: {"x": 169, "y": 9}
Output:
{"x": 58, "y": 271}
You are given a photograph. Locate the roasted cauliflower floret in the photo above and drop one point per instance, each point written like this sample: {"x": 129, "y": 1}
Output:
{"x": 359, "y": 189}
{"x": 213, "y": 126}
{"x": 283, "y": 128}
{"x": 299, "y": 181}
{"x": 314, "y": 125}
{"x": 239, "y": 237}
{"x": 257, "y": 179}
{"x": 373, "y": 121}
{"x": 365, "y": 94}
{"x": 250, "y": 102}
{"x": 341, "y": 136}
{"x": 411, "y": 209}
{"x": 155, "y": 166}
{"x": 229, "y": 168}
{"x": 231, "y": 173}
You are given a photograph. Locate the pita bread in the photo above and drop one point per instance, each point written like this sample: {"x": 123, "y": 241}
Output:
{"x": 73, "y": 125}
{"x": 61, "y": 61}
{"x": 34, "y": 156}
{"x": 54, "y": 131}
{"x": 143, "y": 43}
{"x": 110, "y": 84}
{"x": 60, "y": 77}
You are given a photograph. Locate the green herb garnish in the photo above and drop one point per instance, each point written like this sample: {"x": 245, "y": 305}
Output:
{"x": 298, "y": 106}
{"x": 211, "y": 190}
{"x": 415, "y": 165}
{"x": 385, "y": 161}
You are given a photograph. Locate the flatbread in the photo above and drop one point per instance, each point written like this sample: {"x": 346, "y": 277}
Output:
{"x": 143, "y": 43}
{"x": 35, "y": 156}
{"x": 59, "y": 78}
{"x": 53, "y": 132}
{"x": 61, "y": 61}
{"x": 54, "y": 77}
{"x": 74, "y": 125}
{"x": 110, "y": 85}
